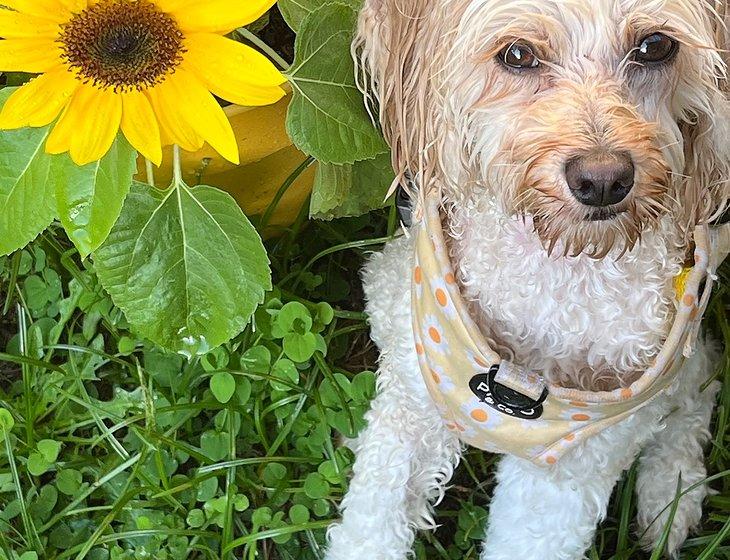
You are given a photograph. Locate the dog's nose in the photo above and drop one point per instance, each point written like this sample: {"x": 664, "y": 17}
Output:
{"x": 600, "y": 178}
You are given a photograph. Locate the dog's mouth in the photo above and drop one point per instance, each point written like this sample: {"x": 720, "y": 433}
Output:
{"x": 603, "y": 214}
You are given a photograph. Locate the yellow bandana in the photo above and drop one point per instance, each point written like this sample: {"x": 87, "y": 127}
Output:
{"x": 498, "y": 406}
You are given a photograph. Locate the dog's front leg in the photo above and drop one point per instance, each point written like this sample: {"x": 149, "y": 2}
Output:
{"x": 551, "y": 513}
{"x": 404, "y": 458}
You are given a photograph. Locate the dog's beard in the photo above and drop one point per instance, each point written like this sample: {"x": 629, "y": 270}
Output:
{"x": 573, "y": 229}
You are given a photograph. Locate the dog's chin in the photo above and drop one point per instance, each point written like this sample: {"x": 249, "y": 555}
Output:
{"x": 595, "y": 232}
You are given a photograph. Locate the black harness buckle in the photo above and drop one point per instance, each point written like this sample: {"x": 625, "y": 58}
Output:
{"x": 505, "y": 399}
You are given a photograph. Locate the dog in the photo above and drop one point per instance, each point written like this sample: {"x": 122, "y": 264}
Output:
{"x": 573, "y": 147}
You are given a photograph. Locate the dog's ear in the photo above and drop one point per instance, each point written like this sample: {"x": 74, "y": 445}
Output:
{"x": 707, "y": 136}
{"x": 393, "y": 43}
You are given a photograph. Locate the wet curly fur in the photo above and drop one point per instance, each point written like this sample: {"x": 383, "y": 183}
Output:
{"x": 585, "y": 301}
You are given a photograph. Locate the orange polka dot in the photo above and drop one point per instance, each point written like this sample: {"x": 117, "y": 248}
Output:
{"x": 441, "y": 297}
{"x": 419, "y": 349}
{"x": 579, "y": 404}
{"x": 450, "y": 279}
{"x": 479, "y": 415}
{"x": 569, "y": 437}
{"x": 480, "y": 362}
{"x": 436, "y": 377}
{"x": 626, "y": 393}
{"x": 435, "y": 335}
{"x": 417, "y": 275}
{"x": 550, "y": 460}
{"x": 580, "y": 417}
{"x": 688, "y": 299}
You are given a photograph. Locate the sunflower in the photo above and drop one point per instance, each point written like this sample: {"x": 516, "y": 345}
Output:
{"x": 149, "y": 67}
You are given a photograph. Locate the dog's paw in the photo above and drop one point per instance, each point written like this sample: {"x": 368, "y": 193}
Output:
{"x": 654, "y": 506}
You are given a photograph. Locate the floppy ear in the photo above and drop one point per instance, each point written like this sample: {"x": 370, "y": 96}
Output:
{"x": 396, "y": 46}
{"x": 707, "y": 139}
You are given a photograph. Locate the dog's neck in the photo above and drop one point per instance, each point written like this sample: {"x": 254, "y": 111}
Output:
{"x": 581, "y": 322}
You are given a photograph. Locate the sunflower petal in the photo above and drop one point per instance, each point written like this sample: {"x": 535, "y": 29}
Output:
{"x": 233, "y": 71}
{"x": 139, "y": 125}
{"x": 28, "y": 55}
{"x": 39, "y": 102}
{"x": 219, "y": 16}
{"x": 53, "y": 10}
{"x": 185, "y": 95}
{"x": 174, "y": 129}
{"x": 16, "y": 25}
{"x": 88, "y": 125}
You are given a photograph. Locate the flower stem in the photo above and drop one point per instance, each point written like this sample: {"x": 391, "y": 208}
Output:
{"x": 253, "y": 38}
{"x": 150, "y": 174}
{"x": 176, "y": 165}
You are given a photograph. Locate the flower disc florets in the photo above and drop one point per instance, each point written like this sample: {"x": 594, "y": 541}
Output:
{"x": 122, "y": 44}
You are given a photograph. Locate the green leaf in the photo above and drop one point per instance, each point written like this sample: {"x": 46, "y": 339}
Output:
{"x": 28, "y": 178}
{"x": 214, "y": 444}
{"x": 299, "y": 514}
{"x": 315, "y": 486}
{"x": 49, "y": 449}
{"x": 207, "y": 489}
{"x": 6, "y": 423}
{"x": 90, "y": 197}
{"x": 185, "y": 266}
{"x": 327, "y": 117}
{"x": 37, "y": 464}
{"x": 300, "y": 347}
{"x": 294, "y": 317}
{"x": 195, "y": 518}
{"x": 350, "y": 190}
{"x": 222, "y": 385}
{"x": 294, "y": 11}
{"x": 68, "y": 481}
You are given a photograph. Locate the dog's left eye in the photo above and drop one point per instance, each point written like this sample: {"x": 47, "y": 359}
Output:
{"x": 518, "y": 56}
{"x": 655, "y": 49}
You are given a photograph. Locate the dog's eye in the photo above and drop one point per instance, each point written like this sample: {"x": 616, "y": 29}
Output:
{"x": 655, "y": 49}
{"x": 518, "y": 56}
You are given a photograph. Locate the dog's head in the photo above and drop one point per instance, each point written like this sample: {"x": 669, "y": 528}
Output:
{"x": 594, "y": 117}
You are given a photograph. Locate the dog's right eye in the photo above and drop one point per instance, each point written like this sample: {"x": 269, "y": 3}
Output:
{"x": 518, "y": 56}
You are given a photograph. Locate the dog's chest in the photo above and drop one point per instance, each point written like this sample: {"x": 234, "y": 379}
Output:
{"x": 592, "y": 324}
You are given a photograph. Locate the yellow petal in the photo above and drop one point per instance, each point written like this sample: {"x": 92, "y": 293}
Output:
{"x": 16, "y": 25}
{"x": 88, "y": 125}
{"x": 139, "y": 125}
{"x": 47, "y": 9}
{"x": 174, "y": 129}
{"x": 219, "y": 16}
{"x": 39, "y": 102}
{"x": 233, "y": 71}
{"x": 28, "y": 55}
{"x": 183, "y": 94}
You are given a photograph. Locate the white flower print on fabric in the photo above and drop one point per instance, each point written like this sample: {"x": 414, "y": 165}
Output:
{"x": 433, "y": 336}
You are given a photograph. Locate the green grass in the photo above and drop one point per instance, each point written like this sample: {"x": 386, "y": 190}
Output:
{"x": 120, "y": 451}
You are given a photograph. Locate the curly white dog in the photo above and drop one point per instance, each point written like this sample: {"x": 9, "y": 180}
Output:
{"x": 574, "y": 145}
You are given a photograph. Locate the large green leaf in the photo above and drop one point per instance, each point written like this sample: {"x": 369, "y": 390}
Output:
{"x": 350, "y": 190}
{"x": 294, "y": 11}
{"x": 185, "y": 266}
{"x": 27, "y": 204}
{"x": 90, "y": 197}
{"x": 327, "y": 117}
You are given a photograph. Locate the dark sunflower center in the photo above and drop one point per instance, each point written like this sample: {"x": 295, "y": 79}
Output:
{"x": 123, "y": 44}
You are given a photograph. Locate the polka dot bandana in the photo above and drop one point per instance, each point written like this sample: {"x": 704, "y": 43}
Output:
{"x": 499, "y": 406}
